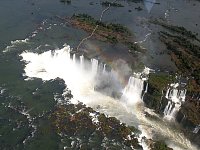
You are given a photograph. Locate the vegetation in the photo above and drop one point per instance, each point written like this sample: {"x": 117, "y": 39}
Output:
{"x": 160, "y": 80}
{"x": 113, "y": 33}
{"x": 188, "y": 64}
{"x": 112, "y": 27}
{"x": 91, "y": 128}
{"x": 184, "y": 53}
{"x": 106, "y": 3}
{"x": 177, "y": 29}
{"x": 159, "y": 145}
{"x": 191, "y": 109}
{"x": 65, "y": 1}
{"x": 158, "y": 83}
{"x": 184, "y": 49}
{"x": 83, "y": 128}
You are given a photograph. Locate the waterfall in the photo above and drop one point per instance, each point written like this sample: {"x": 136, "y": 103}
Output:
{"x": 146, "y": 89}
{"x": 84, "y": 77}
{"x": 167, "y": 93}
{"x": 132, "y": 92}
{"x": 94, "y": 69}
{"x": 175, "y": 98}
{"x": 104, "y": 68}
{"x": 168, "y": 108}
{"x": 196, "y": 129}
{"x": 74, "y": 58}
{"x": 82, "y": 61}
{"x": 66, "y": 49}
{"x": 80, "y": 80}
{"x": 94, "y": 66}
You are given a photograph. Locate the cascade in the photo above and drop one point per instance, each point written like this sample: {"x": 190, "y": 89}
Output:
{"x": 104, "y": 68}
{"x": 78, "y": 78}
{"x": 65, "y": 49}
{"x": 74, "y": 58}
{"x": 146, "y": 89}
{"x": 167, "y": 93}
{"x": 80, "y": 81}
{"x": 132, "y": 92}
{"x": 176, "y": 97}
{"x": 94, "y": 66}
{"x": 94, "y": 69}
{"x": 196, "y": 129}
{"x": 168, "y": 108}
{"x": 82, "y": 61}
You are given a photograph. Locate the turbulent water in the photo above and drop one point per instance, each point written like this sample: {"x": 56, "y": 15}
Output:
{"x": 101, "y": 79}
{"x": 87, "y": 78}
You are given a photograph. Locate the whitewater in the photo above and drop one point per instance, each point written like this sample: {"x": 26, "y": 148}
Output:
{"x": 92, "y": 84}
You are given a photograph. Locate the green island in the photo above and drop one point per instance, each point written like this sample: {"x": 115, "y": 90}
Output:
{"x": 89, "y": 129}
{"x": 107, "y": 32}
{"x": 92, "y": 128}
{"x": 176, "y": 29}
{"x": 184, "y": 53}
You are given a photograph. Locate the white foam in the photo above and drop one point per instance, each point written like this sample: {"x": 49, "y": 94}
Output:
{"x": 14, "y": 44}
{"x": 80, "y": 77}
{"x": 2, "y": 91}
{"x": 196, "y": 129}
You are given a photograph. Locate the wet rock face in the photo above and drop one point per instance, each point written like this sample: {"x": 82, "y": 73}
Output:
{"x": 157, "y": 104}
{"x": 188, "y": 115}
{"x": 154, "y": 98}
{"x": 83, "y": 128}
{"x": 191, "y": 129}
